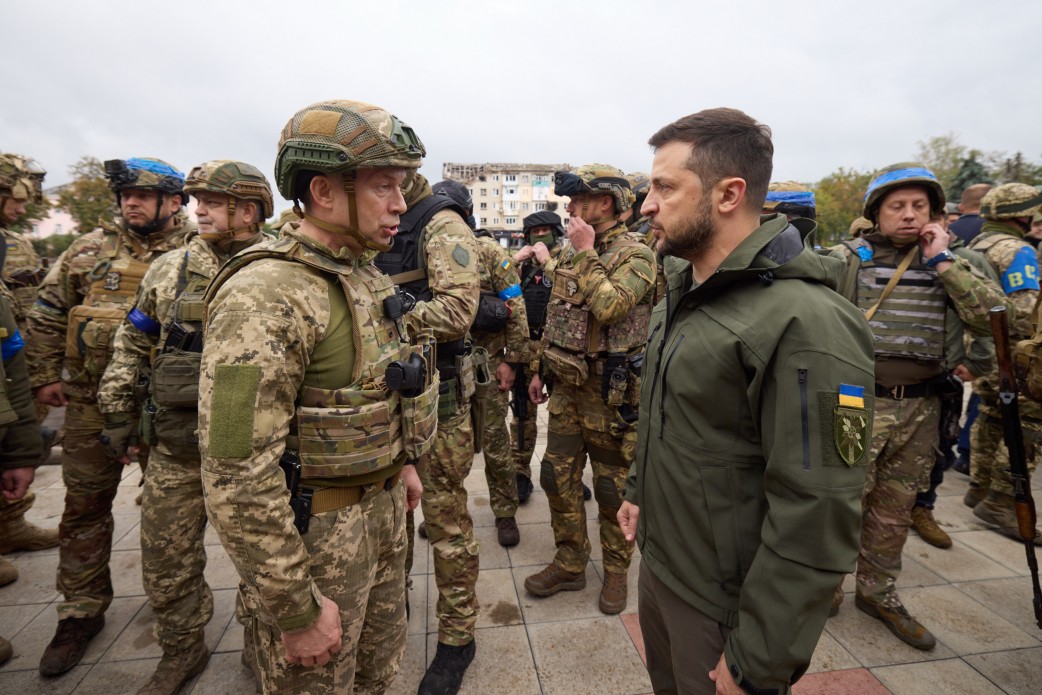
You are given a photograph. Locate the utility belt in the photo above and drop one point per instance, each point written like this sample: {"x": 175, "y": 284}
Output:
{"x": 620, "y": 373}
{"x": 306, "y": 501}
{"x": 455, "y": 362}
{"x": 946, "y": 384}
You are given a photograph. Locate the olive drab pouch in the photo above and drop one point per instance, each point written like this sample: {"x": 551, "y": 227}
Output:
{"x": 448, "y": 400}
{"x": 146, "y": 426}
{"x": 566, "y": 367}
{"x": 567, "y": 320}
{"x": 420, "y": 421}
{"x": 465, "y": 374}
{"x": 1027, "y": 363}
{"x": 493, "y": 314}
{"x": 88, "y": 340}
{"x": 483, "y": 383}
{"x": 177, "y": 430}
{"x": 175, "y": 379}
{"x": 347, "y": 432}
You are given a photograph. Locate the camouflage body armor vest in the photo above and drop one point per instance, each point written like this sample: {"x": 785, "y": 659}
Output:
{"x": 363, "y": 428}
{"x": 173, "y": 406}
{"x": 910, "y": 322}
{"x": 569, "y": 325}
{"x": 114, "y": 279}
{"x": 22, "y": 274}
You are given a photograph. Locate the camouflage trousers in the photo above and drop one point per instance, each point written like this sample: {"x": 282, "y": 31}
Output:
{"x": 580, "y": 424}
{"x": 358, "y": 562}
{"x": 904, "y": 433}
{"x": 989, "y": 457}
{"x": 523, "y": 455}
{"x": 499, "y": 462}
{"x": 450, "y": 529}
{"x": 11, "y": 513}
{"x": 173, "y": 520}
{"x": 85, "y": 531}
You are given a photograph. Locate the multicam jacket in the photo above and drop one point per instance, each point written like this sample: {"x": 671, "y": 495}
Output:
{"x": 499, "y": 276}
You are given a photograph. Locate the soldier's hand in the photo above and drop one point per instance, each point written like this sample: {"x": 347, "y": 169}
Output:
{"x": 542, "y": 254}
{"x": 963, "y": 373}
{"x": 505, "y": 376}
{"x": 628, "y": 515}
{"x": 580, "y": 234}
{"x": 725, "y": 685}
{"x": 413, "y": 487}
{"x": 16, "y": 482}
{"x": 317, "y": 644}
{"x": 117, "y": 435}
{"x": 523, "y": 254}
{"x": 934, "y": 239}
{"x": 50, "y": 394}
{"x": 535, "y": 390}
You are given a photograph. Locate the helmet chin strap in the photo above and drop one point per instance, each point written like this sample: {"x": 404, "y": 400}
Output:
{"x": 352, "y": 230}
{"x": 157, "y": 222}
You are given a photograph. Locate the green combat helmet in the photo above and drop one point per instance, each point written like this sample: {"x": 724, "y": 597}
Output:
{"x": 596, "y": 178}
{"x": 640, "y": 184}
{"x": 21, "y": 178}
{"x": 1010, "y": 201}
{"x": 790, "y": 198}
{"x": 342, "y": 136}
{"x": 898, "y": 176}
{"x": 238, "y": 181}
{"x": 149, "y": 174}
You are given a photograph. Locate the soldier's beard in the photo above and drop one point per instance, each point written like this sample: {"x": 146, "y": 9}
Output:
{"x": 690, "y": 237}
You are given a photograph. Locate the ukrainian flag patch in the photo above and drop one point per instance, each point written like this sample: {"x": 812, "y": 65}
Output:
{"x": 851, "y": 396}
{"x": 505, "y": 265}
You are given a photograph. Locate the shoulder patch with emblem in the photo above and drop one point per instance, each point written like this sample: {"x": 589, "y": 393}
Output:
{"x": 461, "y": 256}
{"x": 851, "y": 424}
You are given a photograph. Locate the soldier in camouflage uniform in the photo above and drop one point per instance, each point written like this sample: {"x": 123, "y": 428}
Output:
{"x": 592, "y": 346}
{"x": 434, "y": 261}
{"x": 543, "y": 233}
{"x": 297, "y": 391}
{"x": 908, "y": 254}
{"x": 160, "y": 340}
{"x": 501, "y": 329}
{"x": 1007, "y": 211}
{"x": 81, "y": 303}
{"x": 21, "y": 180}
{"x": 790, "y": 198}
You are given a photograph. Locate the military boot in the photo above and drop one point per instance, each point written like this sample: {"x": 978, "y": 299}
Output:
{"x": 422, "y": 529}
{"x": 927, "y": 528}
{"x": 613, "y": 593}
{"x": 445, "y": 673}
{"x": 837, "y": 601}
{"x": 997, "y": 509}
{"x": 552, "y": 579}
{"x": 21, "y": 535}
{"x": 524, "y": 488}
{"x": 507, "y": 531}
{"x": 974, "y": 495}
{"x": 8, "y": 572}
{"x": 6, "y": 652}
{"x": 175, "y": 669}
{"x": 898, "y": 621}
{"x": 587, "y": 493}
{"x": 49, "y": 435}
{"x": 69, "y": 644}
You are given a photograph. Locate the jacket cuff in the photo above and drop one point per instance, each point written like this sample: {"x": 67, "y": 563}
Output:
{"x": 303, "y": 621}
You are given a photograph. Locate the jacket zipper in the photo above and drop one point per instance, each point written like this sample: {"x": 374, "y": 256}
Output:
{"x": 805, "y": 418}
{"x": 662, "y": 396}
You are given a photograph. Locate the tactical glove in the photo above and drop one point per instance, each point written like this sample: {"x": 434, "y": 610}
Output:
{"x": 119, "y": 433}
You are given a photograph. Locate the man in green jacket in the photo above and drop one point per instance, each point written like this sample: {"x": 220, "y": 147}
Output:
{"x": 745, "y": 493}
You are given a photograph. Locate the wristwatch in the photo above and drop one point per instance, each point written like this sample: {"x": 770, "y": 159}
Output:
{"x": 943, "y": 256}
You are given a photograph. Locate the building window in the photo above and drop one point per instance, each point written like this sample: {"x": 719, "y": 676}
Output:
{"x": 484, "y": 191}
{"x": 511, "y": 191}
{"x": 511, "y": 220}
{"x": 495, "y": 220}
{"x": 495, "y": 191}
{"x": 510, "y": 178}
{"x": 524, "y": 178}
{"x": 36, "y": 229}
{"x": 512, "y": 205}
{"x": 495, "y": 177}
{"x": 524, "y": 207}
{"x": 57, "y": 229}
{"x": 540, "y": 206}
{"x": 484, "y": 206}
{"x": 484, "y": 220}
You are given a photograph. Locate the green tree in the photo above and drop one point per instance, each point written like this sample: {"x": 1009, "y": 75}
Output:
{"x": 1019, "y": 170}
{"x": 943, "y": 155}
{"x": 88, "y": 198}
{"x": 53, "y": 246}
{"x": 971, "y": 171}
{"x": 839, "y": 198}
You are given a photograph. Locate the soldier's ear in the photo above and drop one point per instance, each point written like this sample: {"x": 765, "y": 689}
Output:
{"x": 249, "y": 212}
{"x": 322, "y": 190}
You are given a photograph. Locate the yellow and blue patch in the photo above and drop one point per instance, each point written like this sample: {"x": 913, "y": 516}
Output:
{"x": 851, "y": 396}
{"x": 504, "y": 265}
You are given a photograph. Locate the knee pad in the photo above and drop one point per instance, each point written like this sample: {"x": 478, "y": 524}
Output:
{"x": 547, "y": 479}
{"x": 605, "y": 492}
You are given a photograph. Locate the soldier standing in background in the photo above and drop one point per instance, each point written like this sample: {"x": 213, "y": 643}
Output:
{"x": 306, "y": 435}
{"x": 80, "y": 304}
{"x": 543, "y": 233}
{"x": 434, "y": 261}
{"x": 21, "y": 181}
{"x": 1007, "y": 211}
{"x": 592, "y": 346}
{"x": 790, "y": 198}
{"x": 162, "y": 342}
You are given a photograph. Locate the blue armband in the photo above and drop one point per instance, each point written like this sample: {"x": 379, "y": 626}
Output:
{"x": 510, "y": 292}
{"x": 1022, "y": 273}
{"x": 12, "y": 345}
{"x": 143, "y": 323}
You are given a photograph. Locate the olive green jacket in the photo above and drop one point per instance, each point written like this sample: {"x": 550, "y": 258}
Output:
{"x": 748, "y": 472}
{"x": 20, "y": 443}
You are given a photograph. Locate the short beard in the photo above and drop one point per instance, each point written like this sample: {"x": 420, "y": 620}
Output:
{"x": 691, "y": 236}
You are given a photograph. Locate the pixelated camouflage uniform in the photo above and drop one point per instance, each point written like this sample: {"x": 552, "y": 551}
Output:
{"x": 280, "y": 365}
{"x": 1003, "y": 245}
{"x": 172, "y": 515}
{"x": 531, "y": 272}
{"x": 904, "y": 430}
{"x": 95, "y": 280}
{"x": 451, "y": 264}
{"x": 616, "y": 278}
{"x": 499, "y": 276}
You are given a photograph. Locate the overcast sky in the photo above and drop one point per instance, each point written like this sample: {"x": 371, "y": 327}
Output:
{"x": 840, "y": 83}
